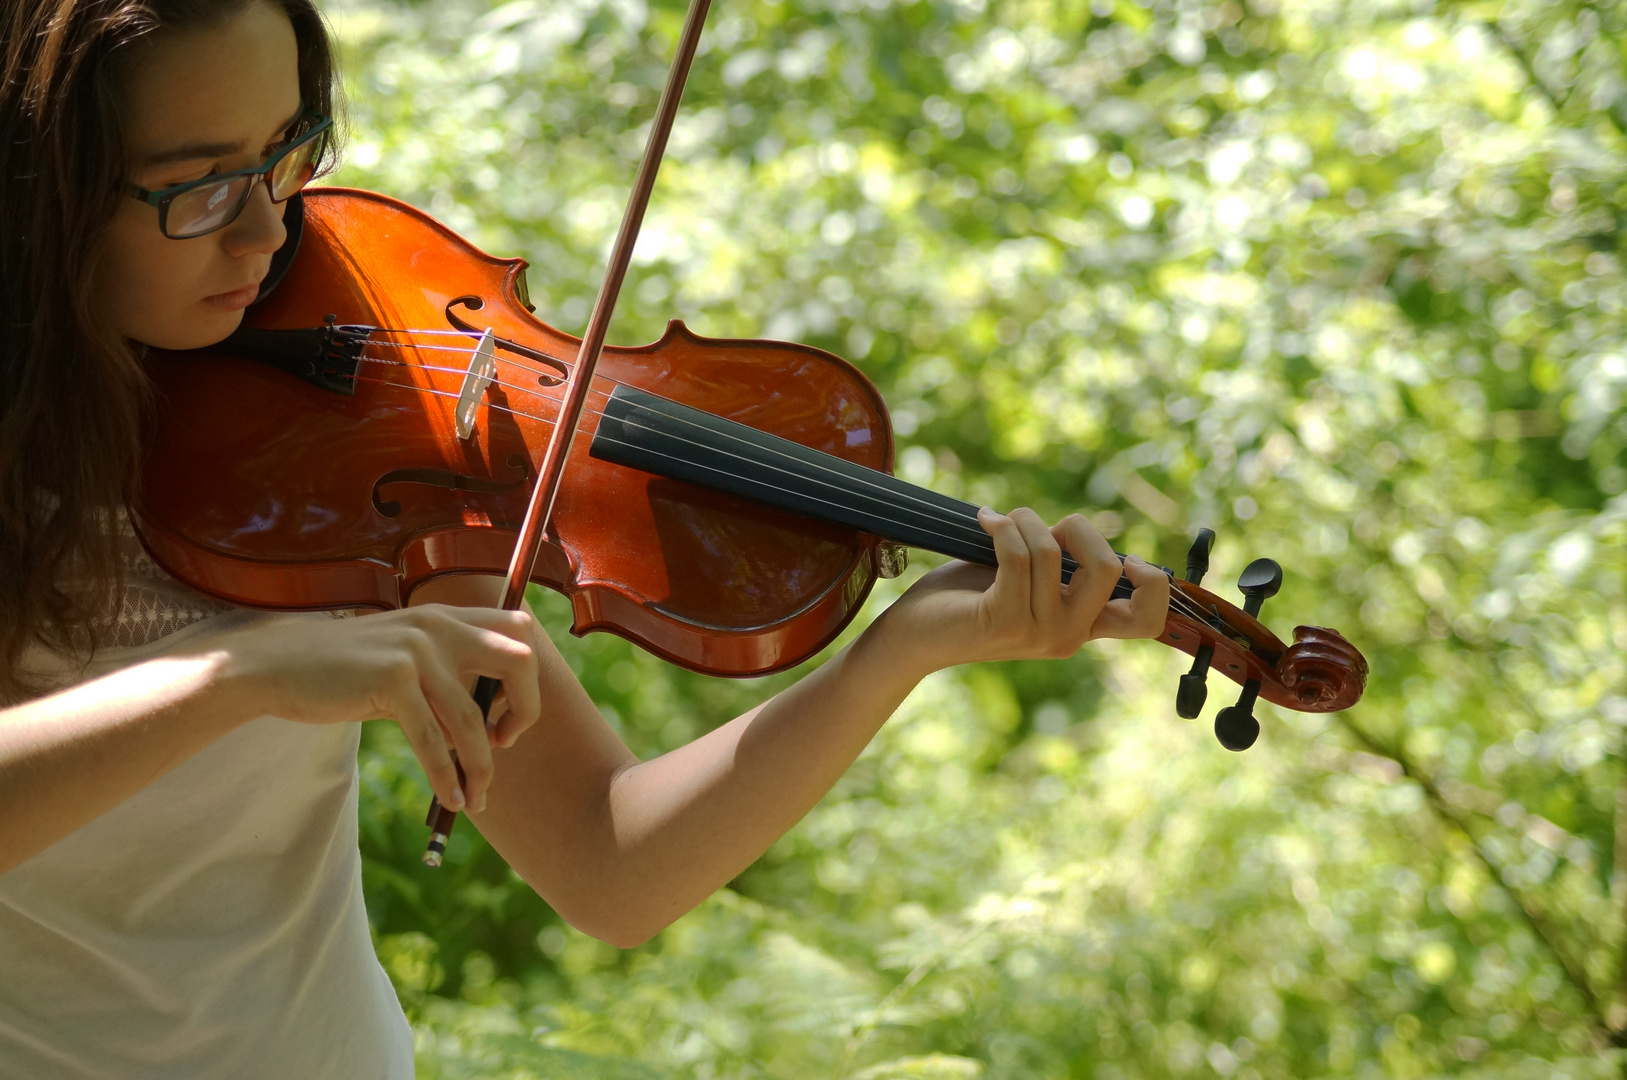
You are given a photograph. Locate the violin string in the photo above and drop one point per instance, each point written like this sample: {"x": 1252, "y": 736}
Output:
{"x": 568, "y": 365}
{"x": 966, "y": 525}
{"x": 1178, "y": 601}
{"x": 524, "y": 389}
{"x": 834, "y": 505}
{"x": 520, "y": 387}
{"x": 421, "y": 332}
{"x": 970, "y": 529}
{"x": 561, "y": 361}
{"x": 930, "y": 509}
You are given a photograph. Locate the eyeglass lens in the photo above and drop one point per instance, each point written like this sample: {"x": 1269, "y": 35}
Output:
{"x": 212, "y": 206}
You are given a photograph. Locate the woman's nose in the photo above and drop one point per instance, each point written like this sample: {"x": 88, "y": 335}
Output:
{"x": 258, "y": 230}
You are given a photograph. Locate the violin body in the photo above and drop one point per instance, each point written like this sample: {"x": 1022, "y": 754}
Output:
{"x": 351, "y": 489}
{"x": 270, "y": 492}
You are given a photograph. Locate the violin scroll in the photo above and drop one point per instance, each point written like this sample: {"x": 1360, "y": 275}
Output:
{"x": 1323, "y": 670}
{"x": 1319, "y": 672}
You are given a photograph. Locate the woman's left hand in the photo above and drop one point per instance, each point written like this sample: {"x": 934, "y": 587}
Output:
{"x": 960, "y": 613}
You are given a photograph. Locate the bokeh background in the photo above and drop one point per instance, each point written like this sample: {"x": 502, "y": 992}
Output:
{"x": 1341, "y": 280}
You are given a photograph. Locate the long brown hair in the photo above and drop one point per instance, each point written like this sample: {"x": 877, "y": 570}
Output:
{"x": 73, "y": 397}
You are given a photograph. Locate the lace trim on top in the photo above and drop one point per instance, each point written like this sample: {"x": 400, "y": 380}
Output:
{"x": 154, "y": 604}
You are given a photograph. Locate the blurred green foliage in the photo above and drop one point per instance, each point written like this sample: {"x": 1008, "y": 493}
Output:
{"x": 1339, "y": 278}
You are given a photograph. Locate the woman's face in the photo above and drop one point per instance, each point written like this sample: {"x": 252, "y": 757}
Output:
{"x": 200, "y": 101}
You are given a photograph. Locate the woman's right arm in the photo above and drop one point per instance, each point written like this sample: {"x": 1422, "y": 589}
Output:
{"x": 71, "y": 756}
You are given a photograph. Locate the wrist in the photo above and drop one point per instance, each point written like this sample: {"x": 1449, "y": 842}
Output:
{"x": 231, "y": 683}
{"x": 896, "y": 652}
{"x": 238, "y": 693}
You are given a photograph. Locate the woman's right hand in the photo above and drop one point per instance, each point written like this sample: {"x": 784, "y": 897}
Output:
{"x": 414, "y": 666}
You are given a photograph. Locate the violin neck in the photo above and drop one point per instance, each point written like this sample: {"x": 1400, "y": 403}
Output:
{"x": 657, "y": 435}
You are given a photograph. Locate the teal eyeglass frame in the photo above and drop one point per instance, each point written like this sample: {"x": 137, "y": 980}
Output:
{"x": 163, "y": 197}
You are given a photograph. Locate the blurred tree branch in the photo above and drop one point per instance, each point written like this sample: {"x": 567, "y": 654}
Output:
{"x": 1530, "y": 907}
{"x": 1618, "y": 891}
{"x": 1517, "y": 49}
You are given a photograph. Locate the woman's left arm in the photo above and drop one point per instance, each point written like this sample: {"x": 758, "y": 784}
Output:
{"x": 621, "y": 848}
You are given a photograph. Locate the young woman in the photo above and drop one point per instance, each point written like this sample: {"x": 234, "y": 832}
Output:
{"x": 179, "y": 880}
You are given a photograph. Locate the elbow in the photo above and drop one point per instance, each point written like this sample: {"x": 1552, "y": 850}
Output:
{"x": 623, "y": 929}
{"x": 624, "y": 918}
{"x": 629, "y": 937}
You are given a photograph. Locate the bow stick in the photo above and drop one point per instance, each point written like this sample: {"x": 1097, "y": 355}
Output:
{"x": 541, "y": 507}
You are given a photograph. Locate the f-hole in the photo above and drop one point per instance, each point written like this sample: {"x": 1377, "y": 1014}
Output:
{"x": 446, "y": 478}
{"x": 471, "y": 302}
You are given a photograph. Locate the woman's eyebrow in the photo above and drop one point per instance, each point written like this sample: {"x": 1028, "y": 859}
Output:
{"x": 199, "y": 151}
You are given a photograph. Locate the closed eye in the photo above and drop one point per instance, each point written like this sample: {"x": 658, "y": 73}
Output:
{"x": 202, "y": 151}
{"x": 271, "y": 148}
{"x": 185, "y": 178}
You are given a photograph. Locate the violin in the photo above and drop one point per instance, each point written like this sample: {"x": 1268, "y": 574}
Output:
{"x": 392, "y": 412}
{"x": 378, "y": 420}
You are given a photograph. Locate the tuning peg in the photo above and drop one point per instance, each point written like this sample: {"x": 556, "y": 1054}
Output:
{"x": 1190, "y": 697}
{"x": 1258, "y": 583}
{"x": 1235, "y": 725}
{"x": 1197, "y": 556}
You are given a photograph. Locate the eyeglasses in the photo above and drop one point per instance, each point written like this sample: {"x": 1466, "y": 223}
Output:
{"x": 199, "y": 207}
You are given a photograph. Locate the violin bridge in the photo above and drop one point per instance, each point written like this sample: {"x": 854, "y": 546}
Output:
{"x": 482, "y": 370}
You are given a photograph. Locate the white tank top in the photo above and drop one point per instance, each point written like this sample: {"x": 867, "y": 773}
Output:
{"x": 212, "y": 925}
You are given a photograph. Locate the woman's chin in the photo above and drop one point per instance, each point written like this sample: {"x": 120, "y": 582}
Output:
{"x": 210, "y": 326}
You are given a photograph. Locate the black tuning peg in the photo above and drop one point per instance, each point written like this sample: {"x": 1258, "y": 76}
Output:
{"x": 1258, "y": 582}
{"x": 1190, "y": 697}
{"x": 1235, "y": 725}
{"x": 1197, "y": 556}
